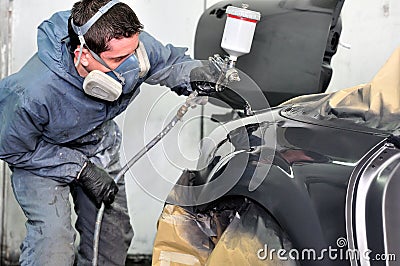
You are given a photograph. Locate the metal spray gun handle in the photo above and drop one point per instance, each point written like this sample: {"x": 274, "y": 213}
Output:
{"x": 225, "y": 68}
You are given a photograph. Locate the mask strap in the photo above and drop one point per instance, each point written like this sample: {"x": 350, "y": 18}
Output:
{"x": 80, "y": 31}
{"x": 101, "y": 61}
{"x": 143, "y": 59}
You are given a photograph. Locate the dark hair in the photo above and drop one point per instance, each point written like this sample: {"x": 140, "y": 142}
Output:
{"x": 118, "y": 22}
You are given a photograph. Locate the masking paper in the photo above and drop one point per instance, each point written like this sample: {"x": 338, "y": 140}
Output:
{"x": 375, "y": 104}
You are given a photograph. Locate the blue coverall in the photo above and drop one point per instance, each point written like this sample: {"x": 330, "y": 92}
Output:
{"x": 49, "y": 127}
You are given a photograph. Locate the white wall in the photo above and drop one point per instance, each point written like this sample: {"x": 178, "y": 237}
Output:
{"x": 369, "y": 28}
{"x": 26, "y": 18}
{"x": 371, "y": 32}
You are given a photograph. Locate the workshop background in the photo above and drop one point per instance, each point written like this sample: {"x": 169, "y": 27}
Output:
{"x": 371, "y": 32}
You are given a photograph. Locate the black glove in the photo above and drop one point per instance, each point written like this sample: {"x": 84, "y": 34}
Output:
{"x": 213, "y": 76}
{"x": 204, "y": 80}
{"x": 97, "y": 184}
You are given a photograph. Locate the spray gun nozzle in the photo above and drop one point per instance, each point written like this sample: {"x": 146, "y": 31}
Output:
{"x": 232, "y": 75}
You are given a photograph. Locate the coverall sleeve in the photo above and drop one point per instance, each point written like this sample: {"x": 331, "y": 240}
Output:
{"x": 22, "y": 144}
{"x": 170, "y": 65}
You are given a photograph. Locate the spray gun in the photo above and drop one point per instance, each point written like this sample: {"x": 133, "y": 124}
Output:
{"x": 237, "y": 38}
{"x": 236, "y": 41}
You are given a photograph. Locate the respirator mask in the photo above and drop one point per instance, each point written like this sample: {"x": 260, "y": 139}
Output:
{"x": 109, "y": 86}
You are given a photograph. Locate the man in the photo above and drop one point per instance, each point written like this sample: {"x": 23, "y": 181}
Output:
{"x": 57, "y": 133}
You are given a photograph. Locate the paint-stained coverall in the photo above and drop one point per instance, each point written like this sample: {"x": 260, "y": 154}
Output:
{"x": 49, "y": 128}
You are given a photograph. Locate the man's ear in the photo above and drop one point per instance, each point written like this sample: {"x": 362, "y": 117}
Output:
{"x": 84, "y": 57}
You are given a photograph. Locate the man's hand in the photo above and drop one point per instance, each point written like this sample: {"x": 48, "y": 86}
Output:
{"x": 203, "y": 80}
{"x": 97, "y": 184}
{"x": 213, "y": 76}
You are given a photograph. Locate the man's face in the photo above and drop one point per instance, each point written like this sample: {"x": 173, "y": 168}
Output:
{"x": 119, "y": 50}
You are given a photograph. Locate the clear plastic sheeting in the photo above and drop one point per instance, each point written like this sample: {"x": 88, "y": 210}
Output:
{"x": 375, "y": 104}
{"x": 236, "y": 233}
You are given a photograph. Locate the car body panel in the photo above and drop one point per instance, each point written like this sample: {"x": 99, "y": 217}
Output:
{"x": 303, "y": 183}
{"x": 372, "y": 212}
{"x": 317, "y": 176}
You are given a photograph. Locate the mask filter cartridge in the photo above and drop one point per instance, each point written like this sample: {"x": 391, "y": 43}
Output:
{"x": 102, "y": 86}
